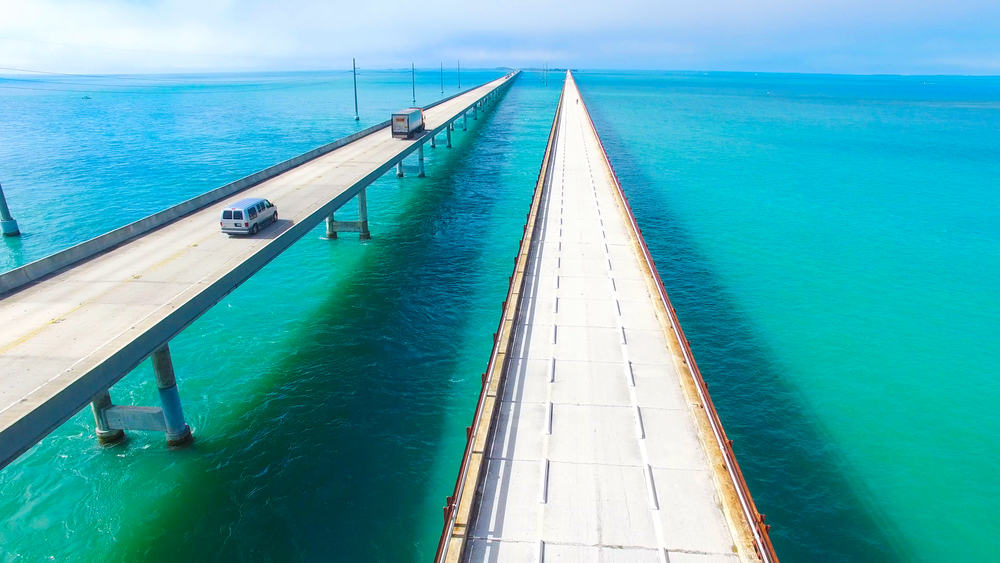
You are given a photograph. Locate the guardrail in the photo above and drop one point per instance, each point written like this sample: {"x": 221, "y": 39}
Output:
{"x": 762, "y": 540}
{"x": 19, "y": 277}
{"x": 459, "y": 506}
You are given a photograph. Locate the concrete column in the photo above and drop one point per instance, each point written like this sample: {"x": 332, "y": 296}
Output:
{"x": 420, "y": 160}
{"x": 331, "y": 230}
{"x": 363, "y": 214}
{"x": 178, "y": 432}
{"x": 449, "y": 137}
{"x": 8, "y": 226}
{"x": 105, "y": 435}
{"x": 465, "y": 121}
{"x": 475, "y": 111}
{"x": 433, "y": 141}
{"x": 451, "y": 125}
{"x": 399, "y": 169}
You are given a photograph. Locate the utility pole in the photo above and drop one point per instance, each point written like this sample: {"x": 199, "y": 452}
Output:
{"x": 413, "y": 83}
{"x": 354, "y": 66}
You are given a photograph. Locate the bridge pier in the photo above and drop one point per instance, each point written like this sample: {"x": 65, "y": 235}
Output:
{"x": 475, "y": 111}
{"x": 112, "y": 420}
{"x": 399, "y": 169}
{"x": 448, "y": 131}
{"x": 433, "y": 141}
{"x": 360, "y": 226}
{"x": 363, "y": 214}
{"x": 420, "y": 161}
{"x": 105, "y": 434}
{"x": 465, "y": 121}
{"x": 178, "y": 432}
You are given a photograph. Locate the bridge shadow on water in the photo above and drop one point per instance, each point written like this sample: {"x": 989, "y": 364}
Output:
{"x": 797, "y": 476}
{"x": 332, "y": 460}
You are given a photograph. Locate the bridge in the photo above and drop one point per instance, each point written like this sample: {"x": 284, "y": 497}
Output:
{"x": 594, "y": 437}
{"x": 76, "y": 322}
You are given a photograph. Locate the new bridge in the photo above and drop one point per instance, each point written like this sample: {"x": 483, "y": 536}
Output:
{"x": 76, "y": 322}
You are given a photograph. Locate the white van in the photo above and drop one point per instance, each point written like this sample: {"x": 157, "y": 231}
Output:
{"x": 247, "y": 216}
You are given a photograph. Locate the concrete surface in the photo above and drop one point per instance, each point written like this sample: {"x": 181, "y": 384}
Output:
{"x": 595, "y": 454}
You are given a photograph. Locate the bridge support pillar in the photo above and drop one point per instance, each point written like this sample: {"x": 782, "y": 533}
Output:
{"x": 451, "y": 125}
{"x": 433, "y": 141}
{"x": 360, "y": 226}
{"x": 105, "y": 434}
{"x": 448, "y": 131}
{"x": 399, "y": 169}
{"x": 177, "y": 431}
{"x": 475, "y": 111}
{"x": 363, "y": 215}
{"x": 331, "y": 227}
{"x": 465, "y": 121}
{"x": 420, "y": 161}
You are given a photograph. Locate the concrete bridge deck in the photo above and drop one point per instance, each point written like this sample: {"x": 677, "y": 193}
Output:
{"x": 592, "y": 441}
{"x": 67, "y": 337}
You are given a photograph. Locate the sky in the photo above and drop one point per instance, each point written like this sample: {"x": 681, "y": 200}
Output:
{"x": 825, "y": 36}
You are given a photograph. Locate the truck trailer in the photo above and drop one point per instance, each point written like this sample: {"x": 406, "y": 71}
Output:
{"x": 407, "y": 123}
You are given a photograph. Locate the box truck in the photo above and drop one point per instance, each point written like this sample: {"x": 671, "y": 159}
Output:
{"x": 407, "y": 123}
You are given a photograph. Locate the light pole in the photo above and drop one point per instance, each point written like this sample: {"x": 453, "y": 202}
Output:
{"x": 459, "y": 75}
{"x": 442, "y": 78}
{"x": 413, "y": 83}
{"x": 354, "y": 66}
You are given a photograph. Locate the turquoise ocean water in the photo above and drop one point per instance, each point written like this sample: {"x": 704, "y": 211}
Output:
{"x": 830, "y": 243}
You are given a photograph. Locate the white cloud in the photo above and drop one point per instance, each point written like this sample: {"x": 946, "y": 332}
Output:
{"x": 176, "y": 35}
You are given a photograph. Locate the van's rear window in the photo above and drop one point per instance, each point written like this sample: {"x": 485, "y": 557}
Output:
{"x": 238, "y": 215}
{"x": 227, "y": 214}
